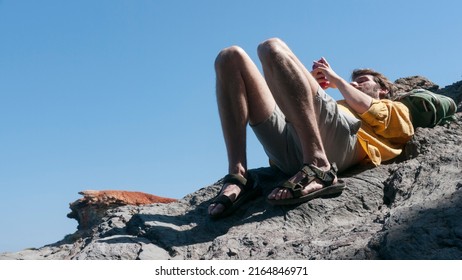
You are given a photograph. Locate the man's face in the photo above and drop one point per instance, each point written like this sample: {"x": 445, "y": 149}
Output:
{"x": 366, "y": 84}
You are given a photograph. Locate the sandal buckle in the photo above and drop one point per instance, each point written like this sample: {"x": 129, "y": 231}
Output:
{"x": 327, "y": 177}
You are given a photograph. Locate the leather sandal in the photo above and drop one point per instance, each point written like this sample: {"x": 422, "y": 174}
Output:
{"x": 248, "y": 192}
{"x": 311, "y": 173}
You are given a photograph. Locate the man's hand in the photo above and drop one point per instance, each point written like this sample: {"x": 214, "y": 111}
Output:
{"x": 324, "y": 74}
{"x": 326, "y": 77}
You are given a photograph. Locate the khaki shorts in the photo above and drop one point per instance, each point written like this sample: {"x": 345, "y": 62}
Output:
{"x": 338, "y": 132}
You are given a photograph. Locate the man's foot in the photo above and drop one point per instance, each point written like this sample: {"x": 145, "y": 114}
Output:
{"x": 236, "y": 191}
{"x": 309, "y": 183}
{"x": 231, "y": 191}
{"x": 285, "y": 193}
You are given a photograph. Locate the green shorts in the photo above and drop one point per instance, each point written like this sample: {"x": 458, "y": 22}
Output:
{"x": 338, "y": 132}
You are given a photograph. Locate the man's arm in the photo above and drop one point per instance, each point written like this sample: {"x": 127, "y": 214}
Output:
{"x": 356, "y": 99}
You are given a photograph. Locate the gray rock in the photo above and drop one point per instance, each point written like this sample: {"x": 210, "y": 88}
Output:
{"x": 406, "y": 209}
{"x": 409, "y": 83}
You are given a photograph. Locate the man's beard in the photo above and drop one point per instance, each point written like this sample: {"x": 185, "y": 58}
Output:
{"x": 372, "y": 92}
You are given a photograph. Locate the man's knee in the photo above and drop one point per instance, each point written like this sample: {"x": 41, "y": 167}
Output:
{"x": 229, "y": 57}
{"x": 270, "y": 49}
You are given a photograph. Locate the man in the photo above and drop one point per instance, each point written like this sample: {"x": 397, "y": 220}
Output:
{"x": 305, "y": 133}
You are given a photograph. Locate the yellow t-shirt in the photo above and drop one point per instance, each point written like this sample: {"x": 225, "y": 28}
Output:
{"x": 385, "y": 128}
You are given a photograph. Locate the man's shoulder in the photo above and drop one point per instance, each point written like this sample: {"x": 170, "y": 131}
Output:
{"x": 393, "y": 103}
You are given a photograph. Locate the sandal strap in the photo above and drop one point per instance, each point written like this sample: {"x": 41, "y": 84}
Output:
{"x": 236, "y": 179}
{"x": 311, "y": 173}
{"x": 326, "y": 177}
{"x": 296, "y": 188}
{"x": 222, "y": 199}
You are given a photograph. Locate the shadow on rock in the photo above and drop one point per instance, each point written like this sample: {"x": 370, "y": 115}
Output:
{"x": 426, "y": 232}
{"x": 195, "y": 226}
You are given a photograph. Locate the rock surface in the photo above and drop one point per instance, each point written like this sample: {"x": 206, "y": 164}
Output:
{"x": 409, "y": 83}
{"x": 90, "y": 210}
{"x": 406, "y": 209}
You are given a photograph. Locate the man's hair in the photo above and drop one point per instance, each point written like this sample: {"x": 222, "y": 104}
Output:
{"x": 379, "y": 78}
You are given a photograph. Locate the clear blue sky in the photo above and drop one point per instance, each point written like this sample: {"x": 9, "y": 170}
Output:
{"x": 121, "y": 94}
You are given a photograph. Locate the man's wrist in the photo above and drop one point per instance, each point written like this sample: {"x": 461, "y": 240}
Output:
{"x": 340, "y": 83}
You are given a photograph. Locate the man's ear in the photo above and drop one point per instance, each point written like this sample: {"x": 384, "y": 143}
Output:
{"x": 383, "y": 93}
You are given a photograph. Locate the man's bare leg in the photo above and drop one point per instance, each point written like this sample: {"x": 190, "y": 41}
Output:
{"x": 242, "y": 96}
{"x": 294, "y": 89}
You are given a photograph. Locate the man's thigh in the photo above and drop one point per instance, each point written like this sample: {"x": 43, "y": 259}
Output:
{"x": 338, "y": 132}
